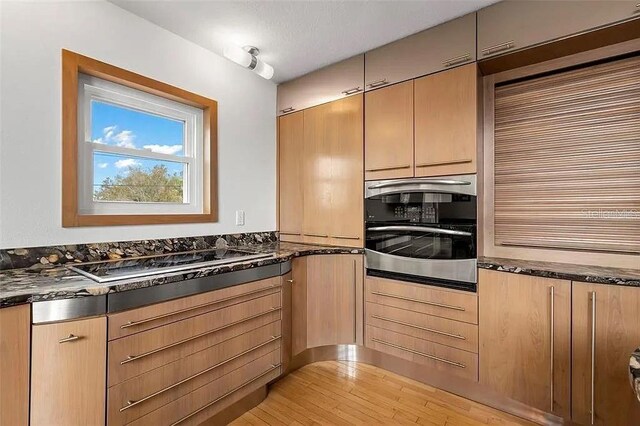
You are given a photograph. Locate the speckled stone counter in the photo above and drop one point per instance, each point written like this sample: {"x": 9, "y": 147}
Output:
{"x": 26, "y": 285}
{"x": 634, "y": 372}
{"x": 563, "y": 271}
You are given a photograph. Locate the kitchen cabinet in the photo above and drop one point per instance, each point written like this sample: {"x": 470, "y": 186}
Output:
{"x": 446, "y": 122}
{"x": 525, "y": 339}
{"x": 511, "y": 25}
{"x": 290, "y": 164}
{"x": 298, "y": 305}
{"x": 388, "y": 132}
{"x": 333, "y": 173}
{"x": 333, "y": 82}
{"x": 68, "y": 372}
{"x": 15, "y": 340}
{"x": 606, "y": 330}
{"x": 435, "y": 49}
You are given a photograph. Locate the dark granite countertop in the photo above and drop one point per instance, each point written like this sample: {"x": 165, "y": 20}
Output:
{"x": 564, "y": 271}
{"x": 634, "y": 372}
{"x": 20, "y": 286}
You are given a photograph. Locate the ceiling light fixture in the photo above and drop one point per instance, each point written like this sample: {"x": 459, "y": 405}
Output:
{"x": 247, "y": 57}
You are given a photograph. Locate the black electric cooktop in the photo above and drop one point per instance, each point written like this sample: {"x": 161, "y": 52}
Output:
{"x": 145, "y": 266}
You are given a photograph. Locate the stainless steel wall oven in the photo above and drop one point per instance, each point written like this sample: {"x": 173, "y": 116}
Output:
{"x": 423, "y": 230}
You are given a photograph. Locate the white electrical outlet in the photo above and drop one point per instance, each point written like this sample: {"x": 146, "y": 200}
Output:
{"x": 240, "y": 217}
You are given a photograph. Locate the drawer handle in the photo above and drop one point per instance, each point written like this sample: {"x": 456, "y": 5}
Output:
{"x": 317, "y": 235}
{"x": 220, "y": 398}
{"x": 431, "y": 330}
{"x": 345, "y": 237}
{"x": 498, "y": 48}
{"x": 70, "y": 338}
{"x": 131, "y": 358}
{"x": 457, "y": 60}
{"x": 132, "y": 403}
{"x": 290, "y": 281}
{"x": 433, "y": 357}
{"x": 378, "y": 83}
{"x": 193, "y": 308}
{"x": 288, "y": 109}
{"x": 382, "y": 169}
{"x": 409, "y": 299}
{"x": 351, "y": 91}
{"x": 442, "y": 163}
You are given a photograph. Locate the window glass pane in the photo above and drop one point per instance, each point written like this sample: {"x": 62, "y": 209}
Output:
{"x": 119, "y": 126}
{"x": 128, "y": 178}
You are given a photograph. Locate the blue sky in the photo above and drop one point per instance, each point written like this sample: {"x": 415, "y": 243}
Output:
{"x": 117, "y": 126}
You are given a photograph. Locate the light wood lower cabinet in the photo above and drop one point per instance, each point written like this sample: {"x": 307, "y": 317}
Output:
{"x": 525, "y": 334}
{"x": 68, "y": 373}
{"x": 15, "y": 342}
{"x": 298, "y": 305}
{"x": 606, "y": 330}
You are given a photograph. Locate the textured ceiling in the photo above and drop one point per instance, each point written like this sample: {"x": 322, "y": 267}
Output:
{"x": 297, "y": 37}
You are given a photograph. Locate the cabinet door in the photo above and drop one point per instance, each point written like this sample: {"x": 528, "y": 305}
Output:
{"x": 333, "y": 281}
{"x": 600, "y": 368}
{"x": 511, "y": 25}
{"x": 441, "y": 47}
{"x": 446, "y": 122}
{"x": 298, "y": 305}
{"x": 388, "y": 132}
{"x": 336, "y": 81}
{"x": 525, "y": 331}
{"x": 15, "y": 329}
{"x": 68, "y": 373}
{"x": 290, "y": 156}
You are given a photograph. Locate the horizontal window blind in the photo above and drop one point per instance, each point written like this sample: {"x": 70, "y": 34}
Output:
{"x": 567, "y": 160}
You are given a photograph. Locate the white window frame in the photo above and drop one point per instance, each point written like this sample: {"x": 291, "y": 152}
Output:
{"x": 92, "y": 88}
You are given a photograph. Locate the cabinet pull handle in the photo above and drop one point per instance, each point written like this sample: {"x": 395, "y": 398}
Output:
{"x": 457, "y": 60}
{"x": 132, "y": 403}
{"x": 290, "y": 233}
{"x": 378, "y": 83}
{"x": 131, "y": 358}
{"x": 221, "y": 397}
{"x": 317, "y": 235}
{"x": 192, "y": 308}
{"x": 70, "y": 338}
{"x": 441, "y": 163}
{"x": 430, "y": 330}
{"x": 290, "y": 281}
{"x": 409, "y": 299}
{"x": 351, "y": 91}
{"x": 345, "y": 237}
{"x": 498, "y": 48}
{"x": 382, "y": 169}
{"x": 433, "y": 357}
{"x": 593, "y": 357}
{"x": 288, "y": 109}
{"x": 552, "y": 337}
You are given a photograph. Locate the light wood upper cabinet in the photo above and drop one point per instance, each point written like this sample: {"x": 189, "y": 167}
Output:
{"x": 511, "y": 25}
{"x": 15, "y": 333}
{"x": 336, "y": 81}
{"x": 388, "y": 132}
{"x": 68, "y": 373}
{"x": 441, "y": 47}
{"x": 332, "y": 285}
{"x": 446, "y": 122}
{"x": 525, "y": 339}
{"x": 290, "y": 156}
{"x": 333, "y": 173}
{"x": 612, "y": 315}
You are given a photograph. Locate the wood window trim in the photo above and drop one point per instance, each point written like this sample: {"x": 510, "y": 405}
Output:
{"x": 486, "y": 214}
{"x": 74, "y": 64}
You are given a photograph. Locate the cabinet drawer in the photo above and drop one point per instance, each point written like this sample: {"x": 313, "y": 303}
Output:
{"x": 460, "y": 335}
{"x": 452, "y": 304}
{"x": 142, "y": 394}
{"x": 205, "y": 401}
{"x": 136, "y": 320}
{"x": 439, "y": 357}
{"x": 142, "y": 352}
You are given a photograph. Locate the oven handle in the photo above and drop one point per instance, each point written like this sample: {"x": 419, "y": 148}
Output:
{"x": 419, "y": 182}
{"x": 425, "y": 229}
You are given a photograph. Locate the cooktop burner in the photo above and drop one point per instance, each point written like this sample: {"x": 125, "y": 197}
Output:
{"x": 142, "y": 267}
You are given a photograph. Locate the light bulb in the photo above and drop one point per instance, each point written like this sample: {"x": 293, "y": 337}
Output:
{"x": 238, "y": 55}
{"x": 263, "y": 70}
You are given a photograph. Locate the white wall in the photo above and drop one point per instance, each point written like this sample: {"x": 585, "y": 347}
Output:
{"x": 32, "y": 36}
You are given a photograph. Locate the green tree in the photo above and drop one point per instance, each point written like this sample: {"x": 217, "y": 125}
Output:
{"x": 150, "y": 185}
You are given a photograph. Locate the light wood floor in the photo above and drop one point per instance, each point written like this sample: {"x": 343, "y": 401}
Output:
{"x": 348, "y": 393}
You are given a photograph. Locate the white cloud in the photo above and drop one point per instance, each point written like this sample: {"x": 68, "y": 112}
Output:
{"x": 103, "y": 165}
{"x": 128, "y": 162}
{"x": 109, "y": 131}
{"x": 164, "y": 149}
{"x": 125, "y": 139}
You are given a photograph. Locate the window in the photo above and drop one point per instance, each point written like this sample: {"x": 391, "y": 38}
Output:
{"x": 139, "y": 151}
